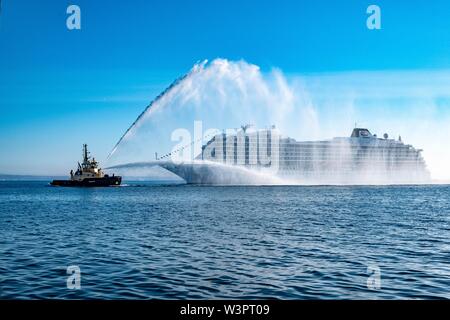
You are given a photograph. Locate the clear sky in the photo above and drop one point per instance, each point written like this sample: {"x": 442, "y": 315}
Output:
{"x": 61, "y": 88}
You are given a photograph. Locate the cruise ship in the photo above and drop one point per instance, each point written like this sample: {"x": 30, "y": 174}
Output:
{"x": 249, "y": 156}
{"x": 361, "y": 158}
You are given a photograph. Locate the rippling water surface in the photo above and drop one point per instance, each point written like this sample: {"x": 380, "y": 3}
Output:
{"x": 197, "y": 242}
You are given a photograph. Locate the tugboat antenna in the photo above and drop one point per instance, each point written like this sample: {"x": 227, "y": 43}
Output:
{"x": 85, "y": 153}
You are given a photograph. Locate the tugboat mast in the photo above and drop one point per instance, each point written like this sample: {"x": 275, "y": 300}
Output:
{"x": 85, "y": 154}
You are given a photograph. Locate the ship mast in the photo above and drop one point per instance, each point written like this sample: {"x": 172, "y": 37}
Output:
{"x": 85, "y": 155}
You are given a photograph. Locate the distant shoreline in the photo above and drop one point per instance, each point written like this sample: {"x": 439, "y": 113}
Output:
{"x": 14, "y": 177}
{"x": 17, "y": 177}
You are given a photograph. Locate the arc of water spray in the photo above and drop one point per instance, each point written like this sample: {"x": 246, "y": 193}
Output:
{"x": 179, "y": 149}
{"x": 177, "y": 81}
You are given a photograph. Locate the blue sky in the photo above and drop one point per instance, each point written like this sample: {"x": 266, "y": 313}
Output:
{"x": 61, "y": 88}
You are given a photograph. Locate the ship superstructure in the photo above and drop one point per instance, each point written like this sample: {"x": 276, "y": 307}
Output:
{"x": 88, "y": 168}
{"x": 361, "y": 158}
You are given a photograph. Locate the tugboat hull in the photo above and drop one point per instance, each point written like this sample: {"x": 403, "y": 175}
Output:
{"x": 89, "y": 182}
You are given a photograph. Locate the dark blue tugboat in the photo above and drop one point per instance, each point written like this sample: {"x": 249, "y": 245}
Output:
{"x": 88, "y": 174}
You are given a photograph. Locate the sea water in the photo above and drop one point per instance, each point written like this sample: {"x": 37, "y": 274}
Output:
{"x": 153, "y": 241}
